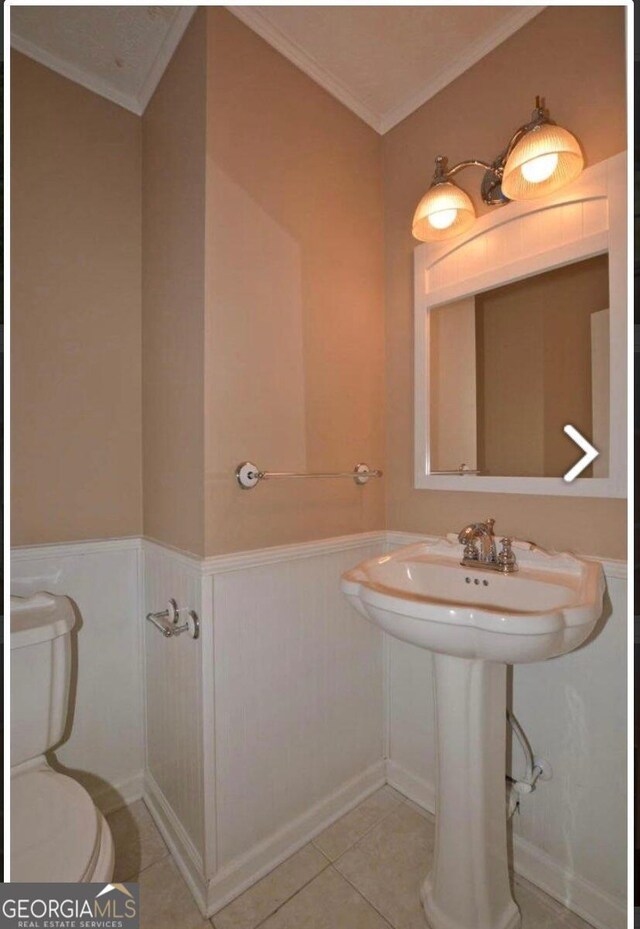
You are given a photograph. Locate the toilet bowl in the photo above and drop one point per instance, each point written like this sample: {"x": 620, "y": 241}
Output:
{"x": 57, "y": 832}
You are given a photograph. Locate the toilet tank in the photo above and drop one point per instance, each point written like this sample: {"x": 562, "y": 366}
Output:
{"x": 40, "y": 673}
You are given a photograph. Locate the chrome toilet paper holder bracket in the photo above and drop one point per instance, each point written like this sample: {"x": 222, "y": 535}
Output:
{"x": 169, "y": 623}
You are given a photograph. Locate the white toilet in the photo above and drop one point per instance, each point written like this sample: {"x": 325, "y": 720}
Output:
{"x": 57, "y": 833}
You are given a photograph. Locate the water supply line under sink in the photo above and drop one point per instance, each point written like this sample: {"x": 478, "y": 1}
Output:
{"x": 536, "y": 769}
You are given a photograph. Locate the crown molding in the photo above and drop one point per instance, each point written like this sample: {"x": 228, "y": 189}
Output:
{"x": 75, "y": 74}
{"x": 257, "y": 21}
{"x": 134, "y": 102}
{"x": 459, "y": 65}
{"x": 165, "y": 54}
{"x": 382, "y": 123}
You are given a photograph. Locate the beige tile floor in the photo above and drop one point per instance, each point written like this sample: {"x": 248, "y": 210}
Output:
{"x": 361, "y": 873}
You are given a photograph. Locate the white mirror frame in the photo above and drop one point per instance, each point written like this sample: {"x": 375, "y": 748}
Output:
{"x": 586, "y": 218}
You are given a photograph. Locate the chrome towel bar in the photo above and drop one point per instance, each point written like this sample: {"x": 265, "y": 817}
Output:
{"x": 462, "y": 470}
{"x": 248, "y": 474}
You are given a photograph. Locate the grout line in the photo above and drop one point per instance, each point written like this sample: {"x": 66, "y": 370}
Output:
{"x": 366, "y": 899}
{"x": 284, "y": 902}
{"x": 329, "y": 864}
{"x": 565, "y": 915}
{"x": 370, "y": 829}
{"x": 403, "y": 802}
{"x": 128, "y": 880}
{"x": 420, "y": 810}
{"x": 558, "y": 909}
{"x": 140, "y": 871}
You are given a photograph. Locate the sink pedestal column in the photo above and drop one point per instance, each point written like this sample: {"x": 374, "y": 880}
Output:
{"x": 468, "y": 887}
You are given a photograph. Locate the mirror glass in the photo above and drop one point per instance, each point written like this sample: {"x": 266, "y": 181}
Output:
{"x": 510, "y": 367}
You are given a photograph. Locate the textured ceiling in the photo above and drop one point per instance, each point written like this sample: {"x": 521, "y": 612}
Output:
{"x": 384, "y": 61}
{"x": 118, "y": 51}
{"x": 380, "y": 61}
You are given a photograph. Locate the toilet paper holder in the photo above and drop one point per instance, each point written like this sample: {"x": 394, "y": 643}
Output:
{"x": 168, "y": 621}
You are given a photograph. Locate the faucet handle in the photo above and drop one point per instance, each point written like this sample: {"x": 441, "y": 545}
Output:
{"x": 470, "y": 552}
{"x": 506, "y": 556}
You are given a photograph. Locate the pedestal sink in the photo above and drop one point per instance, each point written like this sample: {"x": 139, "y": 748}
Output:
{"x": 475, "y": 622}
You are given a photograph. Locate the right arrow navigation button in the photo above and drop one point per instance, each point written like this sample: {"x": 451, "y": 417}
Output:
{"x": 590, "y": 453}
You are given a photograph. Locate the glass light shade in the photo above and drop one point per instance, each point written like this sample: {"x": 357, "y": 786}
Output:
{"x": 540, "y": 168}
{"x": 545, "y": 159}
{"x": 444, "y": 211}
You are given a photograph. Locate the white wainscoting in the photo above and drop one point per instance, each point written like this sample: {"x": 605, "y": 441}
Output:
{"x": 570, "y": 835}
{"x": 298, "y": 699}
{"x": 278, "y": 707}
{"x": 174, "y": 768}
{"x": 290, "y": 709}
{"x": 104, "y": 748}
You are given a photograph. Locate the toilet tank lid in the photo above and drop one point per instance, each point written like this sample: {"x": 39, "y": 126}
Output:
{"x": 39, "y": 618}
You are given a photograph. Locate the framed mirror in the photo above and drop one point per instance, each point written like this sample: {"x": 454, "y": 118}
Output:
{"x": 521, "y": 330}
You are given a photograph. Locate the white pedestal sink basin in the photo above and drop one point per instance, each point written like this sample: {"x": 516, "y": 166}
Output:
{"x": 476, "y": 622}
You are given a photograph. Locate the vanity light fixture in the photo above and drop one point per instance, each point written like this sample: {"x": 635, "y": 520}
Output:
{"x": 540, "y": 158}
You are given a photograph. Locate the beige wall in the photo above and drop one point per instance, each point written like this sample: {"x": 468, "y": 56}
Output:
{"x": 173, "y": 261}
{"x": 75, "y": 311}
{"x": 576, "y": 294}
{"x": 263, "y": 279}
{"x": 295, "y": 328}
{"x": 534, "y": 372}
{"x": 575, "y": 56}
{"x": 453, "y": 403}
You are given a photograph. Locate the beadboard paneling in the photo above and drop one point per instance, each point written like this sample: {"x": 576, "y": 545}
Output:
{"x": 285, "y": 722}
{"x": 298, "y": 694}
{"x": 511, "y": 241}
{"x": 174, "y": 751}
{"x": 574, "y": 711}
{"x": 103, "y": 749}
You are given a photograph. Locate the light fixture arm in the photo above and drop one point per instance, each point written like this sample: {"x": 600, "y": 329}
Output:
{"x": 446, "y": 173}
{"x": 490, "y": 187}
{"x": 491, "y": 183}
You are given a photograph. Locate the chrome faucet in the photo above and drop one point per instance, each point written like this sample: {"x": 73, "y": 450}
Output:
{"x": 480, "y": 548}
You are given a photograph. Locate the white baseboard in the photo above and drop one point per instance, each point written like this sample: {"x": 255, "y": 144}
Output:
{"x": 184, "y": 853}
{"x": 244, "y": 871}
{"x": 597, "y": 907}
{"x": 109, "y": 799}
{"x": 580, "y": 896}
{"x": 411, "y": 786}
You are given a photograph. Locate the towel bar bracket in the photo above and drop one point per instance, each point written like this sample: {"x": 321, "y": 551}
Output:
{"x": 248, "y": 474}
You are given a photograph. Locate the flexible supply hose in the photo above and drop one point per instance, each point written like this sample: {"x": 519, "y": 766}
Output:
{"x": 533, "y": 771}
